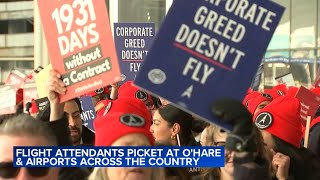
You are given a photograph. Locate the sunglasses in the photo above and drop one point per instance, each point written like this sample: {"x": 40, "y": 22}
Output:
{"x": 8, "y": 171}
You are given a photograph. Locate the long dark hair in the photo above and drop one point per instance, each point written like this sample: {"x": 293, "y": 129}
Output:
{"x": 174, "y": 115}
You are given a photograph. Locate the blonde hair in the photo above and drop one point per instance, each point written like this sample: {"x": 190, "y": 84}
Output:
{"x": 99, "y": 174}
{"x": 209, "y": 140}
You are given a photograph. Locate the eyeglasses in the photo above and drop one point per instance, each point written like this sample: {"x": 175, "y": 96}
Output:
{"x": 8, "y": 171}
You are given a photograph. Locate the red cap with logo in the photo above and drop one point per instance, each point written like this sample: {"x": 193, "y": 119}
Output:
{"x": 104, "y": 90}
{"x": 282, "y": 119}
{"x": 255, "y": 101}
{"x": 122, "y": 116}
{"x": 277, "y": 91}
{"x": 249, "y": 96}
{"x": 128, "y": 89}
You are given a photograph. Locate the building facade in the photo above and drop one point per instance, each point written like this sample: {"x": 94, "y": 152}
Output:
{"x": 16, "y": 37}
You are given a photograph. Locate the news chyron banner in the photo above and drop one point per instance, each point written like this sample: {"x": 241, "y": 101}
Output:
{"x": 88, "y": 114}
{"x": 119, "y": 156}
{"x": 206, "y": 50}
{"x": 80, "y": 44}
{"x": 133, "y": 41}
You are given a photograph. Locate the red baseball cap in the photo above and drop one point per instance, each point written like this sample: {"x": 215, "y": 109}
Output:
{"x": 129, "y": 90}
{"x": 121, "y": 117}
{"x": 103, "y": 90}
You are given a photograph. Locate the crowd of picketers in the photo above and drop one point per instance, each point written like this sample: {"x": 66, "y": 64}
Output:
{"x": 266, "y": 141}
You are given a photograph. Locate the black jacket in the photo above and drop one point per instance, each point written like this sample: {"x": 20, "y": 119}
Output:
{"x": 62, "y": 133}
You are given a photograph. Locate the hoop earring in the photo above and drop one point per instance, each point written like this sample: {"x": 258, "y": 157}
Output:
{"x": 178, "y": 139}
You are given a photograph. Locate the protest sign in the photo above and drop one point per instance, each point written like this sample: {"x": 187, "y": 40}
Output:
{"x": 257, "y": 78}
{"x": 16, "y": 78}
{"x": 133, "y": 41}
{"x": 41, "y": 79}
{"x": 286, "y": 79}
{"x": 29, "y": 92}
{"x": 42, "y": 104}
{"x": 80, "y": 44}
{"x": 206, "y": 50}
{"x": 309, "y": 102}
{"x": 9, "y": 110}
{"x": 7, "y": 99}
{"x": 88, "y": 114}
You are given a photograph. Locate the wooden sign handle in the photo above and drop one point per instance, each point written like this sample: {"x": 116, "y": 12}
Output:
{"x": 306, "y": 135}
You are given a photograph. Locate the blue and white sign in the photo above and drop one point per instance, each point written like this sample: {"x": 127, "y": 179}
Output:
{"x": 133, "y": 41}
{"x": 119, "y": 156}
{"x": 208, "y": 49}
{"x": 88, "y": 114}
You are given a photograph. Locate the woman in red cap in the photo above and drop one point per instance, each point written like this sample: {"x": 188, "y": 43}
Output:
{"x": 280, "y": 124}
{"x": 125, "y": 122}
